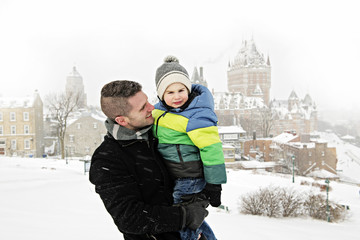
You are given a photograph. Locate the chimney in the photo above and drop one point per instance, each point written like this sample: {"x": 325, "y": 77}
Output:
{"x": 254, "y": 135}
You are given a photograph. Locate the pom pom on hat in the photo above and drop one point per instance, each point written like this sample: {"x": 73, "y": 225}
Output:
{"x": 170, "y": 72}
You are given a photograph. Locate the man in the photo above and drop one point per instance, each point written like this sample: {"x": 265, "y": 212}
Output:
{"x": 129, "y": 174}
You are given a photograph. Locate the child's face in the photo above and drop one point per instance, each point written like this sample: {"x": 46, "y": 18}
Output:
{"x": 176, "y": 95}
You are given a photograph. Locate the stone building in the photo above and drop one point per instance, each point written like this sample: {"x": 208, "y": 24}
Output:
{"x": 21, "y": 126}
{"x": 84, "y": 134}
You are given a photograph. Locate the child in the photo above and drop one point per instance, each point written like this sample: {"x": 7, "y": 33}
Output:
{"x": 186, "y": 126}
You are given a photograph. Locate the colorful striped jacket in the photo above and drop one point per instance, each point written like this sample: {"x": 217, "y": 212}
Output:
{"x": 189, "y": 140}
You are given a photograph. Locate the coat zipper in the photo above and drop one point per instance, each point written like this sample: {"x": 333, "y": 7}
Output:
{"x": 179, "y": 153}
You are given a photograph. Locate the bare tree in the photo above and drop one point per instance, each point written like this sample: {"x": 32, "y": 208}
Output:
{"x": 266, "y": 121}
{"x": 250, "y": 122}
{"x": 60, "y": 107}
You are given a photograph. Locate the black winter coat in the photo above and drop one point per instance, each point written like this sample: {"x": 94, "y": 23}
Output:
{"x": 134, "y": 185}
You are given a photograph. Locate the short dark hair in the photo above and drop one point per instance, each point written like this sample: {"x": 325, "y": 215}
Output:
{"x": 115, "y": 95}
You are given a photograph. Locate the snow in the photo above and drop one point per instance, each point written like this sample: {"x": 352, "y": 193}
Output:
{"x": 49, "y": 199}
{"x": 284, "y": 138}
{"x": 230, "y": 129}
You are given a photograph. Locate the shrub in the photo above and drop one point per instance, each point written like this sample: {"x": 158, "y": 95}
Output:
{"x": 316, "y": 207}
{"x": 277, "y": 202}
{"x": 291, "y": 203}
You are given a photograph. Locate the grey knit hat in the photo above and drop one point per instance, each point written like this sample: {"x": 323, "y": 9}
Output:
{"x": 170, "y": 72}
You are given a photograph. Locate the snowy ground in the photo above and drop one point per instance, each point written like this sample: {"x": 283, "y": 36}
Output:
{"x": 49, "y": 199}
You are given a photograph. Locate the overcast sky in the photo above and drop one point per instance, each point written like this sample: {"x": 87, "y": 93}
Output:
{"x": 314, "y": 45}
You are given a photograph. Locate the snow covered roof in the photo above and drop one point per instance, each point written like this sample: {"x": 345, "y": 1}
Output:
{"x": 322, "y": 174}
{"x": 228, "y": 146}
{"x": 231, "y": 129}
{"x": 22, "y": 102}
{"x": 301, "y": 145}
{"x": 348, "y": 137}
{"x": 248, "y": 56}
{"x": 284, "y": 138}
{"x": 256, "y": 164}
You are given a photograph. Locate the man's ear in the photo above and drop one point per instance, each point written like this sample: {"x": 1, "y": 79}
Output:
{"x": 121, "y": 120}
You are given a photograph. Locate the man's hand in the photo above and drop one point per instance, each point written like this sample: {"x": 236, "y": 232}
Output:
{"x": 213, "y": 193}
{"x": 194, "y": 214}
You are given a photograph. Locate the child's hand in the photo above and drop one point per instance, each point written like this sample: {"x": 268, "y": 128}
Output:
{"x": 213, "y": 193}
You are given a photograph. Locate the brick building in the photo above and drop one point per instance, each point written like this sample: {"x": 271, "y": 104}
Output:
{"x": 305, "y": 154}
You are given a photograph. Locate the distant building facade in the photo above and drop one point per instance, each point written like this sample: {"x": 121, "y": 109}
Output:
{"x": 295, "y": 114}
{"x": 21, "y": 126}
{"x": 75, "y": 85}
{"x": 198, "y": 78}
{"x": 247, "y": 102}
{"x": 249, "y": 73}
{"x": 232, "y": 136}
{"x": 304, "y": 154}
{"x": 84, "y": 134}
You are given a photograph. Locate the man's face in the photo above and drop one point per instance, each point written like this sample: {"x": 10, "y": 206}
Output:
{"x": 140, "y": 114}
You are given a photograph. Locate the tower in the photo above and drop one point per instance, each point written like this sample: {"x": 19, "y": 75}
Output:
{"x": 198, "y": 78}
{"x": 74, "y": 84}
{"x": 249, "y": 73}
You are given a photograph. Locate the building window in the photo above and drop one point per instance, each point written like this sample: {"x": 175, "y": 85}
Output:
{"x": 26, "y": 116}
{"x": 13, "y": 144}
{"x": 310, "y": 163}
{"x": 230, "y": 136}
{"x": 12, "y": 129}
{"x": 1, "y": 130}
{"x": 12, "y": 116}
{"x": 322, "y": 153}
{"x": 71, "y": 138}
{"x": 309, "y": 154}
{"x": 26, "y": 144}
{"x": 78, "y": 125}
{"x": 26, "y": 129}
{"x": 95, "y": 125}
{"x": 1, "y": 116}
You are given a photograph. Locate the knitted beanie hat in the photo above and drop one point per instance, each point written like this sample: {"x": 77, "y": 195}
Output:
{"x": 170, "y": 72}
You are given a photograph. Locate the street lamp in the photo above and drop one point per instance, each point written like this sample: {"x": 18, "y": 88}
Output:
{"x": 327, "y": 200}
{"x": 293, "y": 162}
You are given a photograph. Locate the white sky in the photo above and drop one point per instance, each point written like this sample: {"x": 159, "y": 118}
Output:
{"x": 313, "y": 45}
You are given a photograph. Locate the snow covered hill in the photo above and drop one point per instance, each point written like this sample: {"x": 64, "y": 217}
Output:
{"x": 348, "y": 155}
{"x": 49, "y": 199}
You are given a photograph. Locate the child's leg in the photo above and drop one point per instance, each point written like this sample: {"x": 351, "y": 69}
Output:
{"x": 186, "y": 186}
{"x": 207, "y": 231}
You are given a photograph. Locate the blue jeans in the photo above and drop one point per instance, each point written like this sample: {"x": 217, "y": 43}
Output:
{"x": 186, "y": 186}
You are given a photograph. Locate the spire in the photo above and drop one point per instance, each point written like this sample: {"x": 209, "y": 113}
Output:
{"x": 293, "y": 95}
{"x": 195, "y": 76}
{"x": 268, "y": 61}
